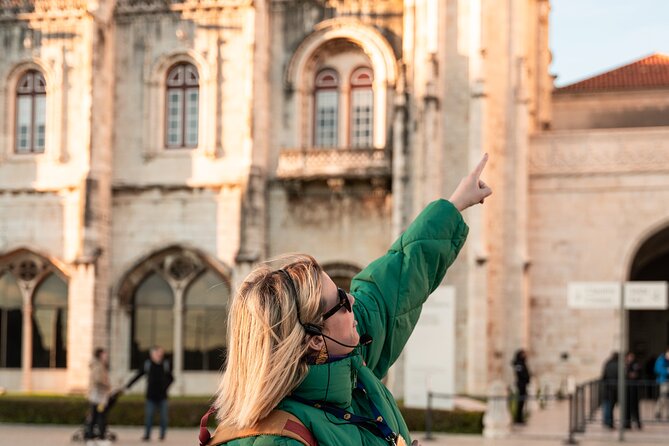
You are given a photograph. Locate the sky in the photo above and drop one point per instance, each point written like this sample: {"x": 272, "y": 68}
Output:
{"x": 589, "y": 37}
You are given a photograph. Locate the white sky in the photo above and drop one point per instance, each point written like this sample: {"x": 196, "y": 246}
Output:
{"x": 589, "y": 37}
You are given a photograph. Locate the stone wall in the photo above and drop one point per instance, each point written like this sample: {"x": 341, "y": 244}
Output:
{"x": 590, "y": 210}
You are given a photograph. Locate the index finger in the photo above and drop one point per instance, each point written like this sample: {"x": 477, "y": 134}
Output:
{"x": 479, "y": 168}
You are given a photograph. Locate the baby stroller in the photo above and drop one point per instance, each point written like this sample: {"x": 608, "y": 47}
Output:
{"x": 81, "y": 433}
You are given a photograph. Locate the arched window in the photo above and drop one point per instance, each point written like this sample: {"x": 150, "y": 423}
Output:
{"x": 30, "y": 113}
{"x": 11, "y": 322}
{"x": 182, "y": 106}
{"x": 362, "y": 108}
{"x": 49, "y": 321}
{"x": 341, "y": 274}
{"x": 326, "y": 108}
{"x": 205, "y": 322}
{"x": 152, "y": 319}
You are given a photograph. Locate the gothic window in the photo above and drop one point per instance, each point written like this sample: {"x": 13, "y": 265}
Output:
{"x": 182, "y": 105}
{"x": 341, "y": 274}
{"x": 362, "y": 108}
{"x": 30, "y": 113}
{"x": 205, "y": 322}
{"x": 11, "y": 322}
{"x": 177, "y": 291}
{"x": 152, "y": 319}
{"x": 49, "y": 324}
{"x": 326, "y": 108}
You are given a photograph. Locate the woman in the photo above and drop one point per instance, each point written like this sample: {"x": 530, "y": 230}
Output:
{"x": 98, "y": 395}
{"x": 305, "y": 359}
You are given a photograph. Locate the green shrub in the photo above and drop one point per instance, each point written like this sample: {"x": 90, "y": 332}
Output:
{"x": 451, "y": 421}
{"x": 186, "y": 412}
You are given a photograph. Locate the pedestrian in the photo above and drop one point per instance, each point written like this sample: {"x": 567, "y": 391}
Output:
{"x": 98, "y": 395}
{"x": 522, "y": 373}
{"x": 158, "y": 380}
{"x": 609, "y": 386}
{"x": 662, "y": 374}
{"x": 633, "y": 374}
{"x": 305, "y": 358}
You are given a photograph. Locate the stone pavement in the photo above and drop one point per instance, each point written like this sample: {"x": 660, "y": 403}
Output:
{"x": 546, "y": 427}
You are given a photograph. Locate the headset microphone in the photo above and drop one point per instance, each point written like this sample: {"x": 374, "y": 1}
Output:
{"x": 312, "y": 329}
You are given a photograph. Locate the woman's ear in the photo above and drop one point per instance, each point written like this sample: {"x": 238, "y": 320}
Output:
{"x": 316, "y": 344}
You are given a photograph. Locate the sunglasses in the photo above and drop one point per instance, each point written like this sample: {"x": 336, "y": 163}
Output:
{"x": 343, "y": 302}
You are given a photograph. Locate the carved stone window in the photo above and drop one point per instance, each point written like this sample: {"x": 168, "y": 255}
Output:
{"x": 30, "y": 121}
{"x": 182, "y": 106}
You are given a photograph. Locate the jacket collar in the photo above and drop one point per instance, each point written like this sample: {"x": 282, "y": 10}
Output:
{"x": 332, "y": 382}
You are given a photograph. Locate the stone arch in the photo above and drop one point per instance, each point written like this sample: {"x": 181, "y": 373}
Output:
{"x": 193, "y": 262}
{"x": 341, "y": 272}
{"x": 372, "y": 42}
{"x": 644, "y": 240}
{"x": 648, "y": 260}
{"x": 374, "y": 46}
{"x": 45, "y": 264}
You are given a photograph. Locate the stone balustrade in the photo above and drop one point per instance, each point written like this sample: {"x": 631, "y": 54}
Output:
{"x": 317, "y": 163}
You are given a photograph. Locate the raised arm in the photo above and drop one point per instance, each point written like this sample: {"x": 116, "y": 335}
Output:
{"x": 391, "y": 291}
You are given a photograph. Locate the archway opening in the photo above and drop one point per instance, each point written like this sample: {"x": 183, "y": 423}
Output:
{"x": 648, "y": 334}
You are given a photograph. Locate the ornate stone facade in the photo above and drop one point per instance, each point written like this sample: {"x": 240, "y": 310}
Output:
{"x": 123, "y": 217}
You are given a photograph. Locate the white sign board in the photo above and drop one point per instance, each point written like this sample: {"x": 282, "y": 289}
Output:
{"x": 430, "y": 352}
{"x": 646, "y": 295}
{"x": 593, "y": 294}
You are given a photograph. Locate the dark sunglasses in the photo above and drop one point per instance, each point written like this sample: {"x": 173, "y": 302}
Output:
{"x": 343, "y": 302}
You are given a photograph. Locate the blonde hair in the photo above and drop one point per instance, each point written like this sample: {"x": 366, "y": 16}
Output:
{"x": 267, "y": 345}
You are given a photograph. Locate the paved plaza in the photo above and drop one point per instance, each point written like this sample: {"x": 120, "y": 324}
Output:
{"x": 546, "y": 427}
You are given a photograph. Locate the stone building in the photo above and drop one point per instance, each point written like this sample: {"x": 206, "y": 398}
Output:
{"x": 151, "y": 152}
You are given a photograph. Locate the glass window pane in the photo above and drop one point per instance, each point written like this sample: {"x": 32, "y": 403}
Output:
{"x": 204, "y": 338}
{"x": 154, "y": 291}
{"x": 205, "y": 322}
{"x": 10, "y": 294}
{"x": 51, "y": 292}
{"x": 151, "y": 326}
{"x": 209, "y": 289}
{"x": 49, "y": 337}
{"x": 326, "y": 118}
{"x": 24, "y": 113}
{"x": 192, "y": 116}
{"x": 40, "y": 122}
{"x": 174, "y": 117}
{"x": 152, "y": 319}
{"x": 49, "y": 321}
{"x": 362, "y": 107}
{"x": 11, "y": 322}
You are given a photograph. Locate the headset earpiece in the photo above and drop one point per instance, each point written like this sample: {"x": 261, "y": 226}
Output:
{"x": 313, "y": 330}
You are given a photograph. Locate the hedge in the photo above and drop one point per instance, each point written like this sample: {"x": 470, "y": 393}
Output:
{"x": 186, "y": 412}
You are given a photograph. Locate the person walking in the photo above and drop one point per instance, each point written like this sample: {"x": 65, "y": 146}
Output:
{"x": 305, "y": 358}
{"x": 98, "y": 395}
{"x": 633, "y": 375}
{"x": 522, "y": 374}
{"x": 158, "y": 380}
{"x": 609, "y": 383}
{"x": 662, "y": 374}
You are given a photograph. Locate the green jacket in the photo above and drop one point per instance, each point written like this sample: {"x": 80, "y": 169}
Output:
{"x": 389, "y": 296}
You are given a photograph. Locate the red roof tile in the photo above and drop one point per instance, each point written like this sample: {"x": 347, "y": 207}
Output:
{"x": 650, "y": 72}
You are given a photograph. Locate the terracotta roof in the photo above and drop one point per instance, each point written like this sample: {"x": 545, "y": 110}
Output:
{"x": 650, "y": 72}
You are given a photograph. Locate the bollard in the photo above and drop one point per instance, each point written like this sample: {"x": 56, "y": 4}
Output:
{"x": 428, "y": 418}
{"x": 496, "y": 421}
{"x": 570, "y": 436}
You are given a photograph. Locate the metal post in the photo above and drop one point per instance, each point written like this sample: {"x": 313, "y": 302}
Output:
{"x": 570, "y": 435}
{"x": 428, "y": 418}
{"x": 621, "y": 366}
